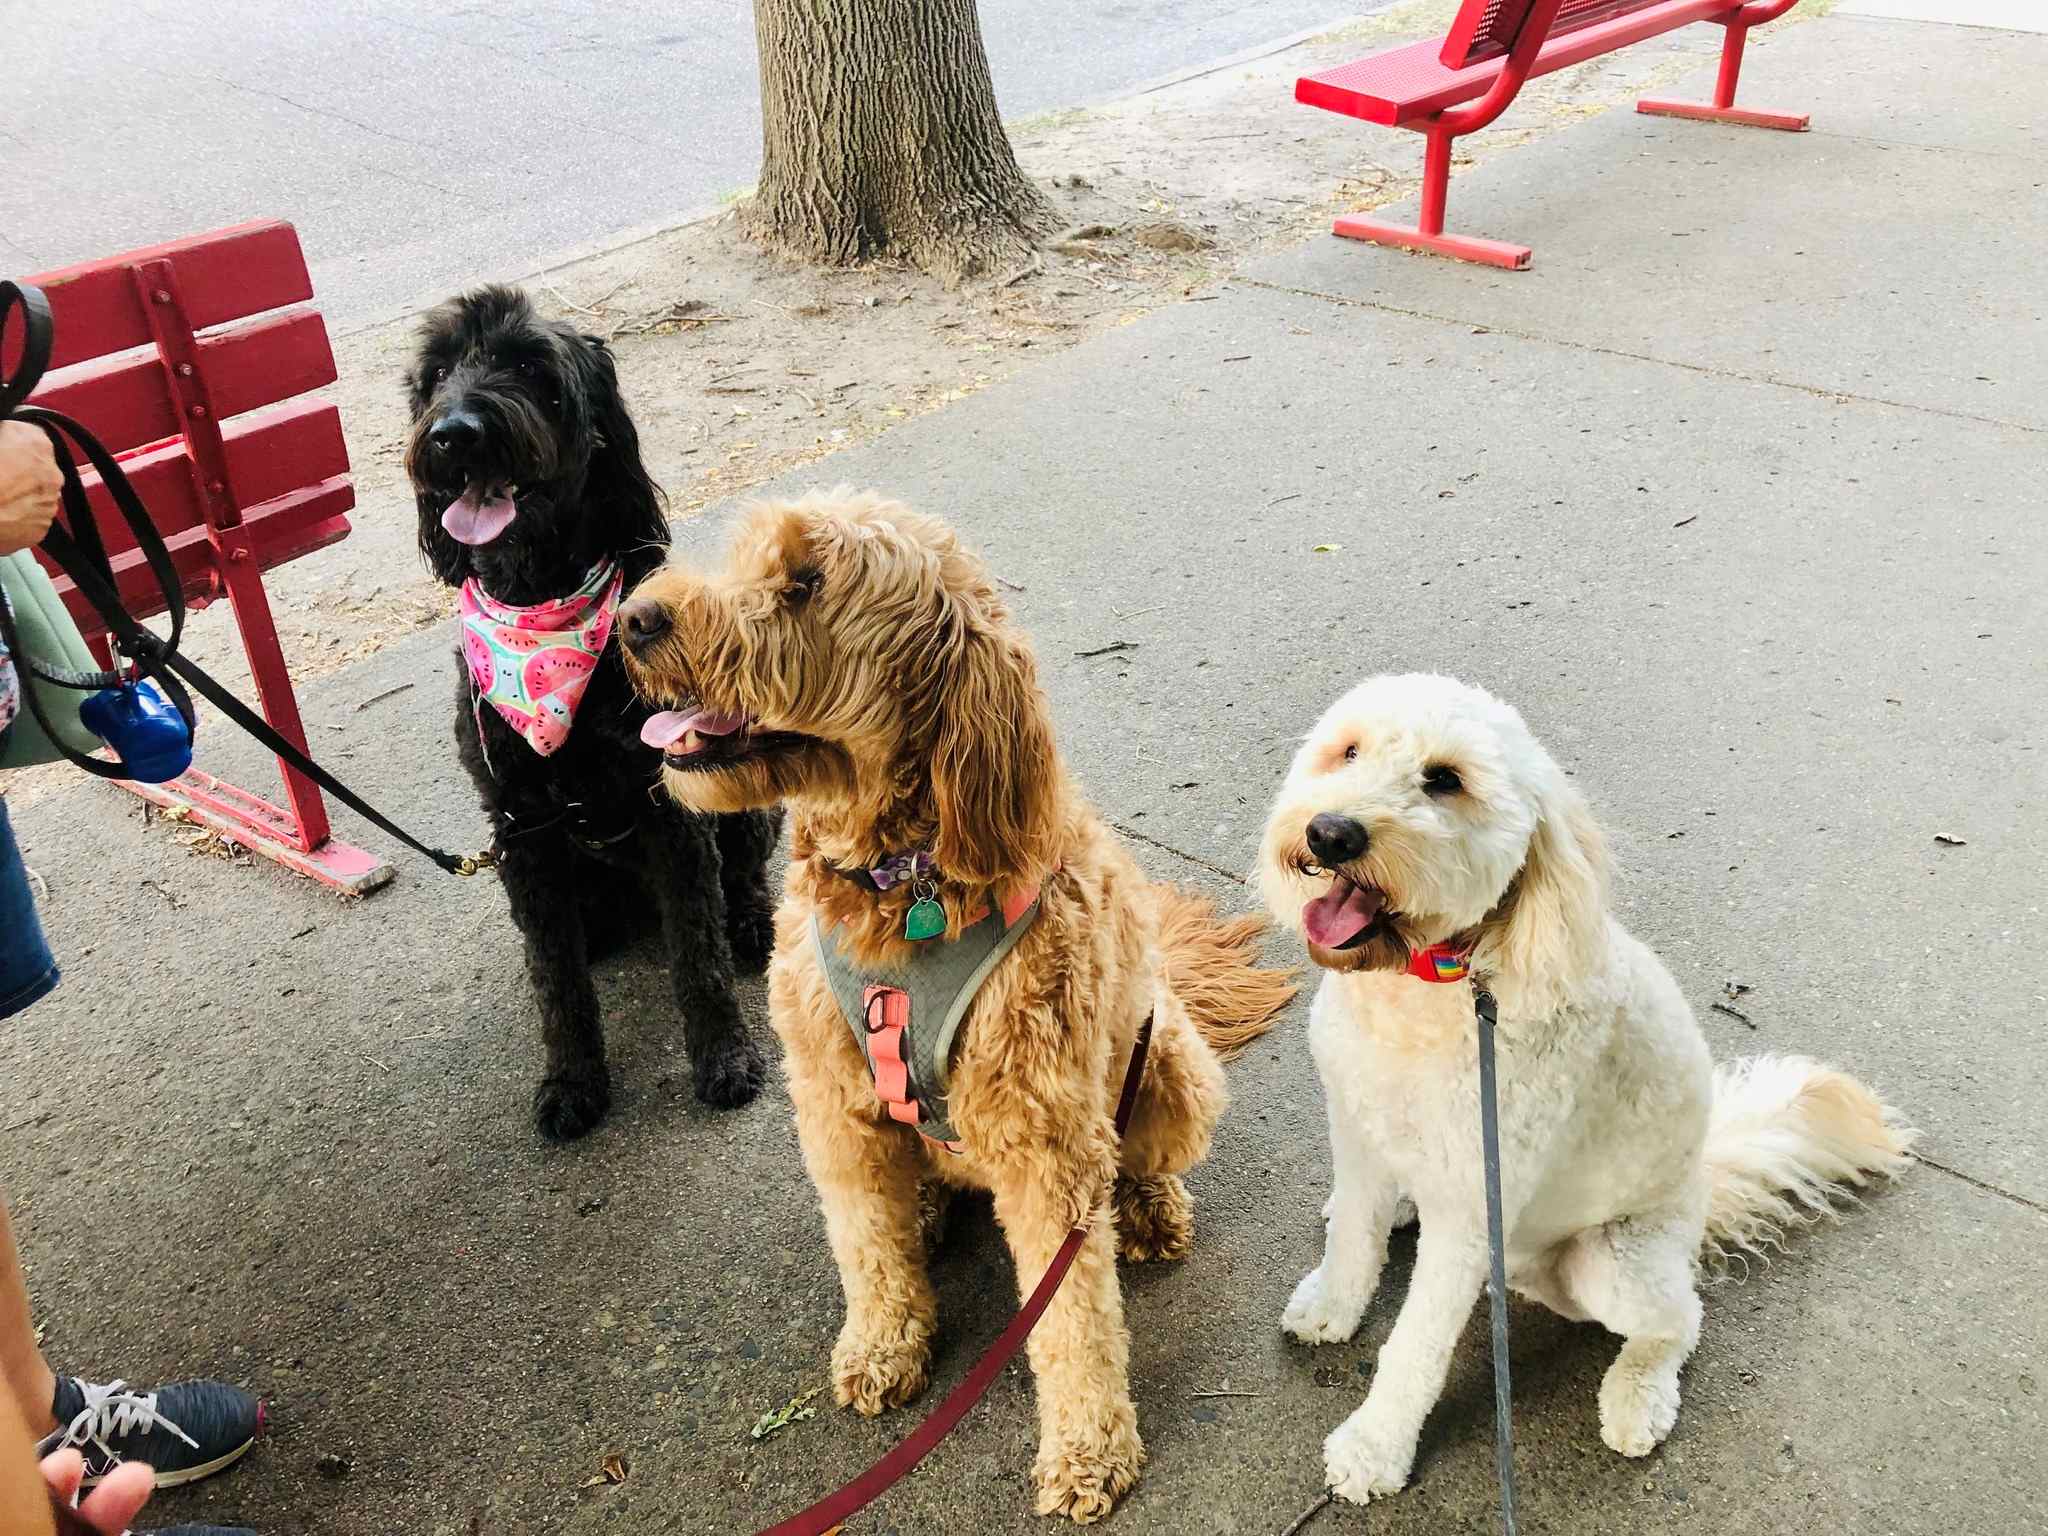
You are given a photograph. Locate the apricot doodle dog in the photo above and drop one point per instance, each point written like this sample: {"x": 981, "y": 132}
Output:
{"x": 855, "y": 663}
{"x": 1422, "y": 819}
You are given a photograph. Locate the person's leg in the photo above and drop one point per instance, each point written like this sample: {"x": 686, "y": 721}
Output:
{"x": 23, "y": 1371}
{"x": 26, "y": 970}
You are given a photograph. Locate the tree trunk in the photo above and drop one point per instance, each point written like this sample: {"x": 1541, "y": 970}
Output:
{"x": 880, "y": 137}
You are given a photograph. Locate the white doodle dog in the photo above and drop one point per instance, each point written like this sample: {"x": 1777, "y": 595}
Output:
{"x": 1422, "y": 819}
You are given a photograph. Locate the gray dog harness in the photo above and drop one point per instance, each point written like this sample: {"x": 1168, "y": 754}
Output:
{"x": 906, "y": 1017}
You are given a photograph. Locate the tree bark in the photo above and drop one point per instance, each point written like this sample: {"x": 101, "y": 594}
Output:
{"x": 880, "y": 137}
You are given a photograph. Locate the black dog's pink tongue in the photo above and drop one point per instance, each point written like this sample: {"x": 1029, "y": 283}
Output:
{"x": 477, "y": 517}
{"x": 1340, "y": 914}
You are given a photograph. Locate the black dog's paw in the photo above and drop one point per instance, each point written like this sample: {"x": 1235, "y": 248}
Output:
{"x": 750, "y": 929}
{"x": 566, "y": 1107}
{"x": 730, "y": 1074}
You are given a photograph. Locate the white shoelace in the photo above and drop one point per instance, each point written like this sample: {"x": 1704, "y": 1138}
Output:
{"x": 113, "y": 1410}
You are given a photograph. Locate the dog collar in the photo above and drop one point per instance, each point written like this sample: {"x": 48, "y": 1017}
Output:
{"x": 1440, "y": 962}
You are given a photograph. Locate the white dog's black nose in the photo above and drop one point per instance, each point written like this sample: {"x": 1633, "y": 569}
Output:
{"x": 1335, "y": 839}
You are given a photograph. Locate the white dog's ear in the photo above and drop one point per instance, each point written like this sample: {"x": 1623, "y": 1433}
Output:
{"x": 1553, "y": 920}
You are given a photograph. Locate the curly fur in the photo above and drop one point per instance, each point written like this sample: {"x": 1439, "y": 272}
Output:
{"x": 585, "y": 847}
{"x": 1625, "y": 1153}
{"x": 894, "y": 706}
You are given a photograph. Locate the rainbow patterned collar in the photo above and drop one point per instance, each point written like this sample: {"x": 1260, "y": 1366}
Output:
{"x": 1440, "y": 962}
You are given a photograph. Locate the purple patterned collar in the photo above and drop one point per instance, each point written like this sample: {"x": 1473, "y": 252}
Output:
{"x": 899, "y": 869}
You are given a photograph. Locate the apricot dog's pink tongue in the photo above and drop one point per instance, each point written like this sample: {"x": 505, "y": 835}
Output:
{"x": 668, "y": 730}
{"x": 1340, "y": 914}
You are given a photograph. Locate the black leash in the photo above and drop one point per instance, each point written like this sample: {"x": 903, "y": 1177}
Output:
{"x": 76, "y": 547}
{"x": 1487, "y": 1013}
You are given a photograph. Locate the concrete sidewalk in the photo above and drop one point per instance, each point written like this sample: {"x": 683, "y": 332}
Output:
{"x": 1736, "y": 494}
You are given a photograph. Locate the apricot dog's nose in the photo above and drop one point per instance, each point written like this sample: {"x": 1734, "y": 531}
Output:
{"x": 1334, "y": 839}
{"x": 644, "y": 622}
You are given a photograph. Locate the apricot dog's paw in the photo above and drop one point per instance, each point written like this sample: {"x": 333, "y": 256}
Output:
{"x": 1155, "y": 1218}
{"x": 881, "y": 1365}
{"x": 1082, "y": 1478}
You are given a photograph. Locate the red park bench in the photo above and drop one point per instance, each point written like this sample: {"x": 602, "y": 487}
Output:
{"x": 1495, "y": 45}
{"x": 192, "y": 363}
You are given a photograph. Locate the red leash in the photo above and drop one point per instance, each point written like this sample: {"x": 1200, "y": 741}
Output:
{"x": 914, "y": 1447}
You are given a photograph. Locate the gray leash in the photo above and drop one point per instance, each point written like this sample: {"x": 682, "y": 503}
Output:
{"x": 1487, "y": 1012}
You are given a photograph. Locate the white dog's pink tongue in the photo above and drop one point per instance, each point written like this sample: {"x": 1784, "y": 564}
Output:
{"x": 1340, "y": 914}
{"x": 476, "y": 518}
{"x": 678, "y": 731}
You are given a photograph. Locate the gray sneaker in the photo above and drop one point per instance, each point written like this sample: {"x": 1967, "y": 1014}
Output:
{"x": 184, "y": 1432}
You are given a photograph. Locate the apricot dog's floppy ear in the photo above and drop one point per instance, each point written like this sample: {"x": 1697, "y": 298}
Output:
{"x": 994, "y": 772}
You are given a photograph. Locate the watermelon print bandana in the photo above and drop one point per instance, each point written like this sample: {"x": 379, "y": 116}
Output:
{"x": 532, "y": 664}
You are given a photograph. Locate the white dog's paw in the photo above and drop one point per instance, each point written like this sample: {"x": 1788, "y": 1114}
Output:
{"x": 1319, "y": 1313}
{"x": 1361, "y": 1463}
{"x": 1637, "y": 1408}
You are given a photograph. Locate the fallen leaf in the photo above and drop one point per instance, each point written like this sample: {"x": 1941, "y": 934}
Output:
{"x": 1948, "y": 840}
{"x": 1327, "y": 549}
{"x": 796, "y": 1409}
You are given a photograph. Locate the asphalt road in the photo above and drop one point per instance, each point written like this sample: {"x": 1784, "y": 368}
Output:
{"x": 418, "y": 148}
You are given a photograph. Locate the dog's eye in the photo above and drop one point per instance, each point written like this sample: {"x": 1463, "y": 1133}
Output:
{"x": 803, "y": 585}
{"x": 441, "y": 374}
{"x": 1351, "y": 753}
{"x": 1312, "y": 869}
{"x": 1441, "y": 779}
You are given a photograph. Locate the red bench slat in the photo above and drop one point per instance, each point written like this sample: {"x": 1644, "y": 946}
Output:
{"x": 227, "y": 275}
{"x": 271, "y": 452}
{"x": 1485, "y": 29}
{"x": 1404, "y": 85}
{"x": 281, "y": 530}
{"x": 124, "y": 401}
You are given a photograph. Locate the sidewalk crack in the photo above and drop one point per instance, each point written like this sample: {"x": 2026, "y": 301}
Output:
{"x": 1192, "y": 858}
{"x": 1975, "y": 1183}
{"x": 1815, "y": 390}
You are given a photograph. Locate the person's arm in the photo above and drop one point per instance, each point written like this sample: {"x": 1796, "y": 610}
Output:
{"x": 29, "y": 486}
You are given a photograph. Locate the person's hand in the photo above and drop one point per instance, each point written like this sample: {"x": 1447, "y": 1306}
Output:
{"x": 29, "y": 486}
{"x": 113, "y": 1506}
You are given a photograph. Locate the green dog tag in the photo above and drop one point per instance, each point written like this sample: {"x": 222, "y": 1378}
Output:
{"x": 926, "y": 919}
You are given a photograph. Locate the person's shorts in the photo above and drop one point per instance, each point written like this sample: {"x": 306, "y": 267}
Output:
{"x": 27, "y": 971}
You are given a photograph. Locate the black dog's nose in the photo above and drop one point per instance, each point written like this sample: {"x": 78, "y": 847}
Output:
{"x": 456, "y": 433}
{"x": 1334, "y": 839}
{"x": 644, "y": 621}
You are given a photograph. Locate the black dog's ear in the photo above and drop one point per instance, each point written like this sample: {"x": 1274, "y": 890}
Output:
{"x": 621, "y": 492}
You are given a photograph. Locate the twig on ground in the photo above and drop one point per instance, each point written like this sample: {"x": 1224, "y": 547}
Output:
{"x": 1105, "y": 650}
{"x": 1225, "y": 1392}
{"x": 1278, "y": 499}
{"x": 1036, "y": 266}
{"x": 1329, "y": 1497}
{"x": 1733, "y": 1013}
{"x": 592, "y": 308}
{"x": 373, "y": 1061}
{"x": 1014, "y": 586}
{"x": 378, "y": 698}
{"x": 1136, "y": 613}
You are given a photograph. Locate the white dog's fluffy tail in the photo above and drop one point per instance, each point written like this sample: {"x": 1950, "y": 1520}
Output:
{"x": 1786, "y": 1139}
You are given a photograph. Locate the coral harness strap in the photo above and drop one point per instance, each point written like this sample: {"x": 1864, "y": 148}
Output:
{"x": 1441, "y": 962}
{"x": 830, "y": 1512}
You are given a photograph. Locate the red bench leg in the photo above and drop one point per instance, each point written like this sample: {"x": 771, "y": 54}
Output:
{"x": 1723, "y": 108}
{"x": 1428, "y": 233}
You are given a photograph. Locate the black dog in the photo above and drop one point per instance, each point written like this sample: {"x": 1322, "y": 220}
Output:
{"x": 530, "y": 486}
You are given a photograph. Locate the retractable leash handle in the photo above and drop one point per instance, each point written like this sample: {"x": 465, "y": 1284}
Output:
{"x": 76, "y": 547}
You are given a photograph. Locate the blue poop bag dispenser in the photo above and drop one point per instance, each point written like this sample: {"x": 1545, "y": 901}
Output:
{"x": 145, "y": 731}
